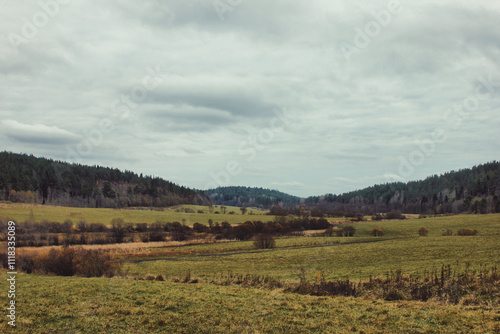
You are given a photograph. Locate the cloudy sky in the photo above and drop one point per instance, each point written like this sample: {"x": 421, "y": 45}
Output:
{"x": 308, "y": 97}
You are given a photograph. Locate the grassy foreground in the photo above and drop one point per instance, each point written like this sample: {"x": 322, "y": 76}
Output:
{"x": 99, "y": 305}
{"x": 49, "y": 304}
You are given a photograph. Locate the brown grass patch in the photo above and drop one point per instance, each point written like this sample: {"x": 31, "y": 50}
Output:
{"x": 135, "y": 249}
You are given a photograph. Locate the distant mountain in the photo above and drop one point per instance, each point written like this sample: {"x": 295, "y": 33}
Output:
{"x": 250, "y": 197}
{"x": 475, "y": 190}
{"x": 25, "y": 178}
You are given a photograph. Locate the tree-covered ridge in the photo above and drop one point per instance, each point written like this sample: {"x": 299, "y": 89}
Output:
{"x": 250, "y": 196}
{"x": 475, "y": 189}
{"x": 25, "y": 178}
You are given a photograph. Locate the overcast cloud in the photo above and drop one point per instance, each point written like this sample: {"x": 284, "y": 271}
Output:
{"x": 307, "y": 97}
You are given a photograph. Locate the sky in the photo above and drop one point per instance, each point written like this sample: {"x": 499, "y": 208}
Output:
{"x": 306, "y": 97}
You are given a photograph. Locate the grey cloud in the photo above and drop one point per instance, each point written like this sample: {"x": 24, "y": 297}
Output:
{"x": 238, "y": 104}
{"x": 222, "y": 80}
{"x": 37, "y": 133}
{"x": 181, "y": 117}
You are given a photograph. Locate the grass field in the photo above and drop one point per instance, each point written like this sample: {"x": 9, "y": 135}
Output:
{"x": 124, "y": 305}
{"x": 100, "y": 305}
{"x": 21, "y": 213}
{"x": 356, "y": 257}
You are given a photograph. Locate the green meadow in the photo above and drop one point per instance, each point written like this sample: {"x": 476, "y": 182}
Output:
{"x": 358, "y": 257}
{"x": 129, "y": 303}
{"x": 22, "y": 212}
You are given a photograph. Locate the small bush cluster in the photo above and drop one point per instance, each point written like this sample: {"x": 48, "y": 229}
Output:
{"x": 448, "y": 286}
{"x": 69, "y": 261}
{"x": 388, "y": 216}
{"x": 423, "y": 231}
{"x": 150, "y": 277}
{"x": 348, "y": 230}
{"x": 264, "y": 241}
{"x": 466, "y": 232}
{"x": 376, "y": 232}
{"x": 326, "y": 288}
{"x": 394, "y": 215}
{"x": 248, "y": 280}
{"x": 345, "y": 231}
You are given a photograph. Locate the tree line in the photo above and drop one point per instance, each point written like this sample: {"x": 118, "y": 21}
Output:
{"x": 46, "y": 233}
{"x": 473, "y": 190}
{"x": 28, "y": 179}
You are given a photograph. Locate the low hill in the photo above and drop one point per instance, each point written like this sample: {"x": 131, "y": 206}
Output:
{"x": 25, "y": 178}
{"x": 475, "y": 190}
{"x": 250, "y": 197}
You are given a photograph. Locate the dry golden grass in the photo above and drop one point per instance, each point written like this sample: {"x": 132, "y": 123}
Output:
{"x": 131, "y": 250}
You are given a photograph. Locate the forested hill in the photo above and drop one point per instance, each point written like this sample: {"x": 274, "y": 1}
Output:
{"x": 474, "y": 190}
{"x": 25, "y": 178}
{"x": 248, "y": 196}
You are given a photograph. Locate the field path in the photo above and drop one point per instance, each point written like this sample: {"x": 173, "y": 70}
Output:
{"x": 193, "y": 257}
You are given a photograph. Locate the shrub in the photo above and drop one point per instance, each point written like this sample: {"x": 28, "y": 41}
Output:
{"x": 200, "y": 228}
{"x": 393, "y": 293}
{"x": 27, "y": 263}
{"x": 263, "y": 241}
{"x": 358, "y": 218}
{"x": 348, "y": 230}
{"x": 376, "y": 232}
{"x": 243, "y": 232}
{"x": 53, "y": 240}
{"x": 338, "y": 231}
{"x": 377, "y": 217}
{"x": 97, "y": 227}
{"x": 58, "y": 261}
{"x": 150, "y": 277}
{"x": 83, "y": 226}
{"x": 141, "y": 227}
{"x": 466, "y": 231}
{"x": 118, "y": 230}
{"x": 423, "y": 231}
{"x": 179, "y": 236}
{"x": 71, "y": 261}
{"x": 156, "y": 236}
{"x": 93, "y": 263}
{"x": 3, "y": 260}
{"x": 394, "y": 215}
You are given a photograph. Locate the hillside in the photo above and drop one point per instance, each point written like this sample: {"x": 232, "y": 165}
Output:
{"x": 247, "y": 196}
{"x": 25, "y": 178}
{"x": 475, "y": 190}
